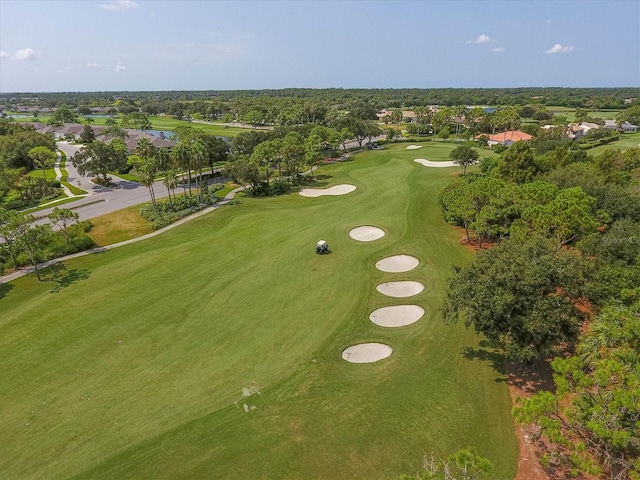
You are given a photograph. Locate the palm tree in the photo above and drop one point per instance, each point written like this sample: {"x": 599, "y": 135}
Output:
{"x": 171, "y": 182}
{"x": 181, "y": 154}
{"x": 198, "y": 159}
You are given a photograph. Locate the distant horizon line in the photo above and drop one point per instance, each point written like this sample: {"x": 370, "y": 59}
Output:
{"x": 317, "y": 88}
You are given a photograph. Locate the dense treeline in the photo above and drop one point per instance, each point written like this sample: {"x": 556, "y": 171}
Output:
{"x": 562, "y": 281}
{"x": 590, "y": 98}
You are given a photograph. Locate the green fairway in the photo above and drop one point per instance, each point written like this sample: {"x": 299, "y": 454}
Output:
{"x": 163, "y": 123}
{"x": 627, "y": 140}
{"x": 133, "y": 363}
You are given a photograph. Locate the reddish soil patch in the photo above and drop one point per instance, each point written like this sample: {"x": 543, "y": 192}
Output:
{"x": 524, "y": 381}
{"x": 473, "y": 246}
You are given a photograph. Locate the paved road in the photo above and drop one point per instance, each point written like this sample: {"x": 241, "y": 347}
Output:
{"x": 102, "y": 200}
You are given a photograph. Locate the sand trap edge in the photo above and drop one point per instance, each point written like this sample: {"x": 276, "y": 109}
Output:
{"x": 429, "y": 163}
{"x": 403, "y": 289}
{"x": 366, "y": 352}
{"x": 397, "y": 263}
{"x": 366, "y": 233}
{"x": 396, "y": 315}
{"x": 341, "y": 189}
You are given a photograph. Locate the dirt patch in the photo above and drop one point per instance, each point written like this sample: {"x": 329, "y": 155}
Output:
{"x": 524, "y": 381}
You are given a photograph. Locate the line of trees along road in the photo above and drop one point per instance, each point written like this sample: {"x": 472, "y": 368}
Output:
{"x": 562, "y": 278}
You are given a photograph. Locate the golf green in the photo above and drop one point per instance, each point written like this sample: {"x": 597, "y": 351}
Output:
{"x": 214, "y": 350}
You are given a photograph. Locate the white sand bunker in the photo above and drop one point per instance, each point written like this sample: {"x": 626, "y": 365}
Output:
{"x": 366, "y": 352}
{"x": 335, "y": 190}
{"x": 400, "y": 289}
{"x": 397, "y": 263}
{"x": 366, "y": 233}
{"x": 397, "y": 315}
{"x": 429, "y": 163}
{"x": 413, "y": 147}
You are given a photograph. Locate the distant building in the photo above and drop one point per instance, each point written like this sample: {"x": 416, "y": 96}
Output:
{"x": 507, "y": 138}
{"x": 625, "y": 127}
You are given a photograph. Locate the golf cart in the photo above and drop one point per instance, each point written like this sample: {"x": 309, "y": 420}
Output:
{"x": 322, "y": 247}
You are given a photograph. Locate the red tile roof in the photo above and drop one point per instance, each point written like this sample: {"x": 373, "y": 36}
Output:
{"x": 510, "y": 136}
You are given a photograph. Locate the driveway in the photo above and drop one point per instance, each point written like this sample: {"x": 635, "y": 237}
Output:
{"x": 102, "y": 200}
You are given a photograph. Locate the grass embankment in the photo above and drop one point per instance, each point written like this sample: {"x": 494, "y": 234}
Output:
{"x": 132, "y": 363}
{"x": 118, "y": 226}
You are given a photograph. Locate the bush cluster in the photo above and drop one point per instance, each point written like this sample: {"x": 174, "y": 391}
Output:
{"x": 168, "y": 211}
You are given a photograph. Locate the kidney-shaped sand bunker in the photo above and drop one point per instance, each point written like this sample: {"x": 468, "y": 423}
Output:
{"x": 335, "y": 190}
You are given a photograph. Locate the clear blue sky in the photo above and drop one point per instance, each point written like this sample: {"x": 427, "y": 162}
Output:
{"x": 93, "y": 45}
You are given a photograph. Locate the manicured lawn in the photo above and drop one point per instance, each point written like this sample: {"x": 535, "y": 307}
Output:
{"x": 169, "y": 123}
{"x": 132, "y": 363}
{"x": 627, "y": 140}
{"x": 164, "y": 123}
{"x": 50, "y": 173}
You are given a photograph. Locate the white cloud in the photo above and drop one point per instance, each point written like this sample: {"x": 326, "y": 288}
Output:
{"x": 481, "y": 39}
{"x": 548, "y": 21}
{"x": 119, "y": 68}
{"x": 65, "y": 69}
{"x": 19, "y": 55}
{"x": 96, "y": 65}
{"x": 497, "y": 50}
{"x": 557, "y": 48}
{"x": 119, "y": 5}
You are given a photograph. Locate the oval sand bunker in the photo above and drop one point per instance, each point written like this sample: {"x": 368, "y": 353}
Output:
{"x": 400, "y": 289}
{"x": 397, "y": 263}
{"x": 397, "y": 315}
{"x": 366, "y": 352}
{"x": 413, "y": 147}
{"x": 366, "y": 233}
{"x": 335, "y": 190}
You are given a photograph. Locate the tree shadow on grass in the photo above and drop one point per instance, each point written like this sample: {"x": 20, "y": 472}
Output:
{"x": 531, "y": 377}
{"x": 4, "y": 289}
{"x": 526, "y": 377}
{"x": 62, "y": 277}
{"x": 486, "y": 354}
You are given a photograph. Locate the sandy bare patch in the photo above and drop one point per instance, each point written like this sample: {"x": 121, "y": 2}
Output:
{"x": 429, "y": 163}
{"x": 366, "y": 233}
{"x": 335, "y": 190}
{"x": 413, "y": 147}
{"x": 397, "y": 315}
{"x": 400, "y": 289}
{"x": 397, "y": 263}
{"x": 366, "y": 352}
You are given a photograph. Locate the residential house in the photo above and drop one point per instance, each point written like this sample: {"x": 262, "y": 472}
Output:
{"x": 625, "y": 127}
{"x": 507, "y": 138}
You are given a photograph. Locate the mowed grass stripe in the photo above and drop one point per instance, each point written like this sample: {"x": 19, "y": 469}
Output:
{"x": 139, "y": 365}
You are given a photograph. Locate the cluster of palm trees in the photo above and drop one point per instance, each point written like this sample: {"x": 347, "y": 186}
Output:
{"x": 461, "y": 117}
{"x": 184, "y": 163}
